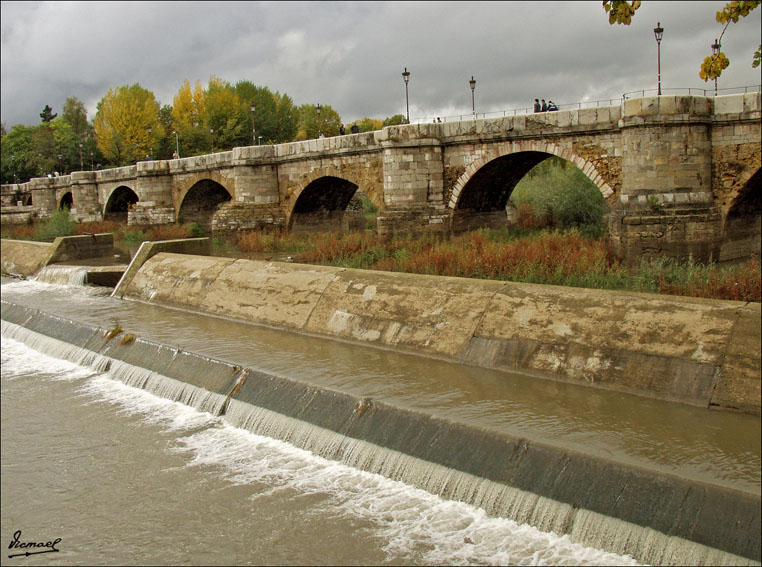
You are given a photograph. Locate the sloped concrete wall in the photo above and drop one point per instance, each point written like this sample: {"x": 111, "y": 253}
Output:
{"x": 22, "y": 258}
{"x": 700, "y": 352}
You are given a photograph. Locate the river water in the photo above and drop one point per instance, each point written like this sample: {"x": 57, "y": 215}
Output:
{"x": 122, "y": 476}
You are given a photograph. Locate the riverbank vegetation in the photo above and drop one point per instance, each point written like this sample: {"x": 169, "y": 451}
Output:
{"x": 551, "y": 255}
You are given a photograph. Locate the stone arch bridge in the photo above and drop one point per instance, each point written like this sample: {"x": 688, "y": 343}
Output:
{"x": 681, "y": 174}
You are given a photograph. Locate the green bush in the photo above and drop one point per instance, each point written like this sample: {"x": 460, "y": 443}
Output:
{"x": 560, "y": 193}
{"x": 60, "y": 223}
{"x": 195, "y": 230}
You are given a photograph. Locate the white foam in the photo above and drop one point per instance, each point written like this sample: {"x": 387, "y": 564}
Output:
{"x": 19, "y": 360}
{"x": 413, "y": 522}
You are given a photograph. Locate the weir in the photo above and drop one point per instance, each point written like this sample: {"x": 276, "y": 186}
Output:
{"x": 657, "y": 518}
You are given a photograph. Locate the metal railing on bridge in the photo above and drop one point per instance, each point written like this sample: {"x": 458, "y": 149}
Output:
{"x": 588, "y": 103}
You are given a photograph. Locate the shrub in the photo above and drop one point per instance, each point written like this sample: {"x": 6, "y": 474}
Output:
{"x": 60, "y": 223}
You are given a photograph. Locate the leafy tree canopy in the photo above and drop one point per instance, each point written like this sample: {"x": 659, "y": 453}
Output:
{"x": 622, "y": 11}
{"x": 312, "y": 124}
{"x": 395, "y": 120}
{"x": 127, "y": 124}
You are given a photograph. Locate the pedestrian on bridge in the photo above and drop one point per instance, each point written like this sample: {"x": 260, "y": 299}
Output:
{"x": 536, "y": 105}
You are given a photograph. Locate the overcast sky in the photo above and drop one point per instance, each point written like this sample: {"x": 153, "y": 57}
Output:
{"x": 350, "y": 55}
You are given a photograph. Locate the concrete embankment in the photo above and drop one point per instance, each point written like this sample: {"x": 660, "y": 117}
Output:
{"x": 700, "y": 352}
{"x": 23, "y": 258}
{"x": 657, "y": 518}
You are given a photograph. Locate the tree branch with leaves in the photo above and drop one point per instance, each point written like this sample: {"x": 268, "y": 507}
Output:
{"x": 622, "y": 11}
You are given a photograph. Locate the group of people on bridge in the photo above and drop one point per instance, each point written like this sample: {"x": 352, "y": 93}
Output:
{"x": 544, "y": 107}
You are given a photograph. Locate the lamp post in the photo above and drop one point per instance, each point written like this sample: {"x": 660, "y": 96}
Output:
{"x": 60, "y": 161}
{"x": 177, "y": 145}
{"x": 13, "y": 165}
{"x": 317, "y": 108}
{"x": 658, "y": 33}
{"x": 150, "y": 141}
{"x": 211, "y": 131}
{"x": 81, "y": 167}
{"x": 472, "y": 83}
{"x": 259, "y": 140}
{"x": 92, "y": 161}
{"x": 253, "y": 129}
{"x": 406, "y": 78}
{"x": 715, "y": 52}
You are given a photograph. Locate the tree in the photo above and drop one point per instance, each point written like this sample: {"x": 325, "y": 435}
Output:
{"x": 189, "y": 118}
{"x": 368, "y": 124}
{"x": 168, "y": 143}
{"x": 75, "y": 114}
{"x": 47, "y": 114}
{"x": 286, "y": 119}
{"x": 395, "y": 120}
{"x": 122, "y": 124}
{"x": 311, "y": 125}
{"x": 275, "y": 116}
{"x": 17, "y": 163}
{"x": 622, "y": 11}
{"x": 227, "y": 114}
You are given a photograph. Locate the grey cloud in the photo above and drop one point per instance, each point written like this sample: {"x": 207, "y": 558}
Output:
{"x": 351, "y": 54}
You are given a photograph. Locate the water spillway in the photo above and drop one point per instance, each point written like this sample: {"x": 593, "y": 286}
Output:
{"x": 659, "y": 518}
{"x": 701, "y": 352}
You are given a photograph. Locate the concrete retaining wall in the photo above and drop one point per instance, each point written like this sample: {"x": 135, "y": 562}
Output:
{"x": 701, "y": 352}
{"x": 22, "y": 258}
{"x": 82, "y": 247}
{"x": 148, "y": 249}
{"x": 642, "y": 500}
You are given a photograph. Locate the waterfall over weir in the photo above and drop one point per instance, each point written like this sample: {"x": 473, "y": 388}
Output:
{"x": 288, "y": 410}
{"x": 63, "y": 275}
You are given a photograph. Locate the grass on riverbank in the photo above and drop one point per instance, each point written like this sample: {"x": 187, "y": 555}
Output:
{"x": 557, "y": 257}
{"x": 566, "y": 258}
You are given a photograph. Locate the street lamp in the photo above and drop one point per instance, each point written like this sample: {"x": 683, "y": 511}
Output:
{"x": 406, "y": 78}
{"x": 318, "y": 107}
{"x": 150, "y": 141}
{"x": 253, "y": 130}
{"x": 81, "y": 167}
{"x": 177, "y": 145}
{"x": 13, "y": 164}
{"x": 211, "y": 131}
{"x": 658, "y": 33}
{"x": 715, "y": 52}
{"x": 92, "y": 161}
{"x": 472, "y": 83}
{"x": 60, "y": 161}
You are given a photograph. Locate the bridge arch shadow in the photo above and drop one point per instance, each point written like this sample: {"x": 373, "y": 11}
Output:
{"x": 323, "y": 205}
{"x": 201, "y": 202}
{"x": 119, "y": 203}
{"x": 743, "y": 223}
{"x": 480, "y": 195}
{"x": 66, "y": 202}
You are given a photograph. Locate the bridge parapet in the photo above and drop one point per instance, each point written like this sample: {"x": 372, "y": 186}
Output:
{"x": 747, "y": 105}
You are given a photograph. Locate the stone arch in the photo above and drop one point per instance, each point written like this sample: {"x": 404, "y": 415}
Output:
{"x": 66, "y": 202}
{"x": 522, "y": 165}
{"x": 201, "y": 201}
{"x": 119, "y": 202}
{"x": 742, "y": 225}
{"x": 322, "y": 206}
{"x": 187, "y": 183}
{"x": 374, "y": 190}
